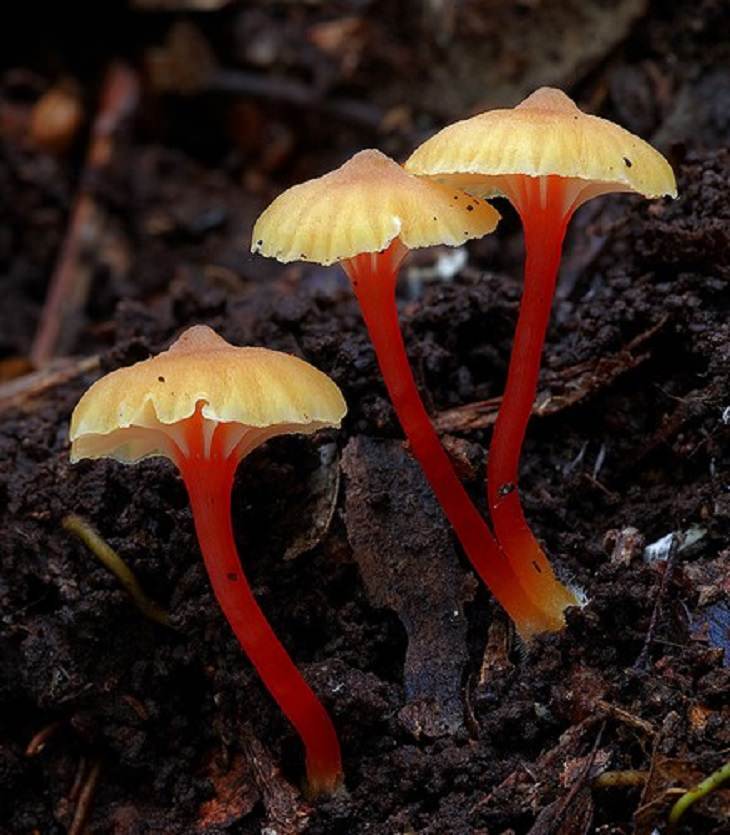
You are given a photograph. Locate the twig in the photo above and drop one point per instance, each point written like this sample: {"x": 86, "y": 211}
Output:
{"x": 580, "y": 780}
{"x": 579, "y": 381}
{"x": 86, "y": 796}
{"x": 69, "y": 283}
{"x": 642, "y": 661}
{"x": 109, "y": 558}
{"x": 620, "y": 779}
{"x": 186, "y": 64}
{"x": 16, "y": 392}
{"x": 602, "y": 487}
{"x": 78, "y": 782}
{"x": 627, "y": 718}
{"x": 40, "y": 740}
{"x": 709, "y": 784}
{"x": 643, "y": 800}
{"x": 301, "y": 95}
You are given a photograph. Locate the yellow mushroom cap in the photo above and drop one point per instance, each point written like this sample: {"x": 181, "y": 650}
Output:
{"x": 362, "y": 207}
{"x": 545, "y": 134}
{"x": 127, "y": 414}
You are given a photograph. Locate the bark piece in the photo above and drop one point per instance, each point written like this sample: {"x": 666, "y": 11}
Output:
{"x": 401, "y": 542}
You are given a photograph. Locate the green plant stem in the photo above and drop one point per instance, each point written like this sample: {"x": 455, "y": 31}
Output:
{"x": 708, "y": 785}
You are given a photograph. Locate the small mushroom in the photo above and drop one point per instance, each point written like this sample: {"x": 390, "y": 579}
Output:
{"x": 547, "y": 158}
{"x": 205, "y": 405}
{"x": 366, "y": 216}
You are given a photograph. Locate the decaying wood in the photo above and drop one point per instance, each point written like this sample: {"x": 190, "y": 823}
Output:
{"x": 69, "y": 285}
{"x": 286, "y": 812}
{"x": 626, "y": 717}
{"x": 579, "y": 381}
{"x": 643, "y": 660}
{"x": 573, "y": 813}
{"x": 16, "y": 393}
{"x": 401, "y": 544}
{"x": 85, "y": 799}
{"x": 186, "y": 65}
{"x": 234, "y": 793}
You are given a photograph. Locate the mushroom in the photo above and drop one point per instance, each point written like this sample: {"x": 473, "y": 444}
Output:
{"x": 366, "y": 215}
{"x": 205, "y": 405}
{"x": 547, "y": 158}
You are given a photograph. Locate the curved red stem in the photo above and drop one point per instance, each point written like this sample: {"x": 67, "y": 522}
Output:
{"x": 373, "y": 278}
{"x": 208, "y": 476}
{"x": 540, "y": 202}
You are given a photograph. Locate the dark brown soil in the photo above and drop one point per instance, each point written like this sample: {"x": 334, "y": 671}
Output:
{"x": 448, "y": 723}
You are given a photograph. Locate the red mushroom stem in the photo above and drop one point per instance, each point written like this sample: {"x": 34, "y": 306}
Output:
{"x": 545, "y": 209}
{"x": 373, "y": 277}
{"x": 208, "y": 475}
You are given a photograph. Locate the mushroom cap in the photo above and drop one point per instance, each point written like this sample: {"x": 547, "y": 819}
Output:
{"x": 251, "y": 387}
{"x": 362, "y": 207}
{"x": 545, "y": 134}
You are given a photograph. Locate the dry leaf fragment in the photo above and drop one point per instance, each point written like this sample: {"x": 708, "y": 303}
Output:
{"x": 235, "y": 794}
